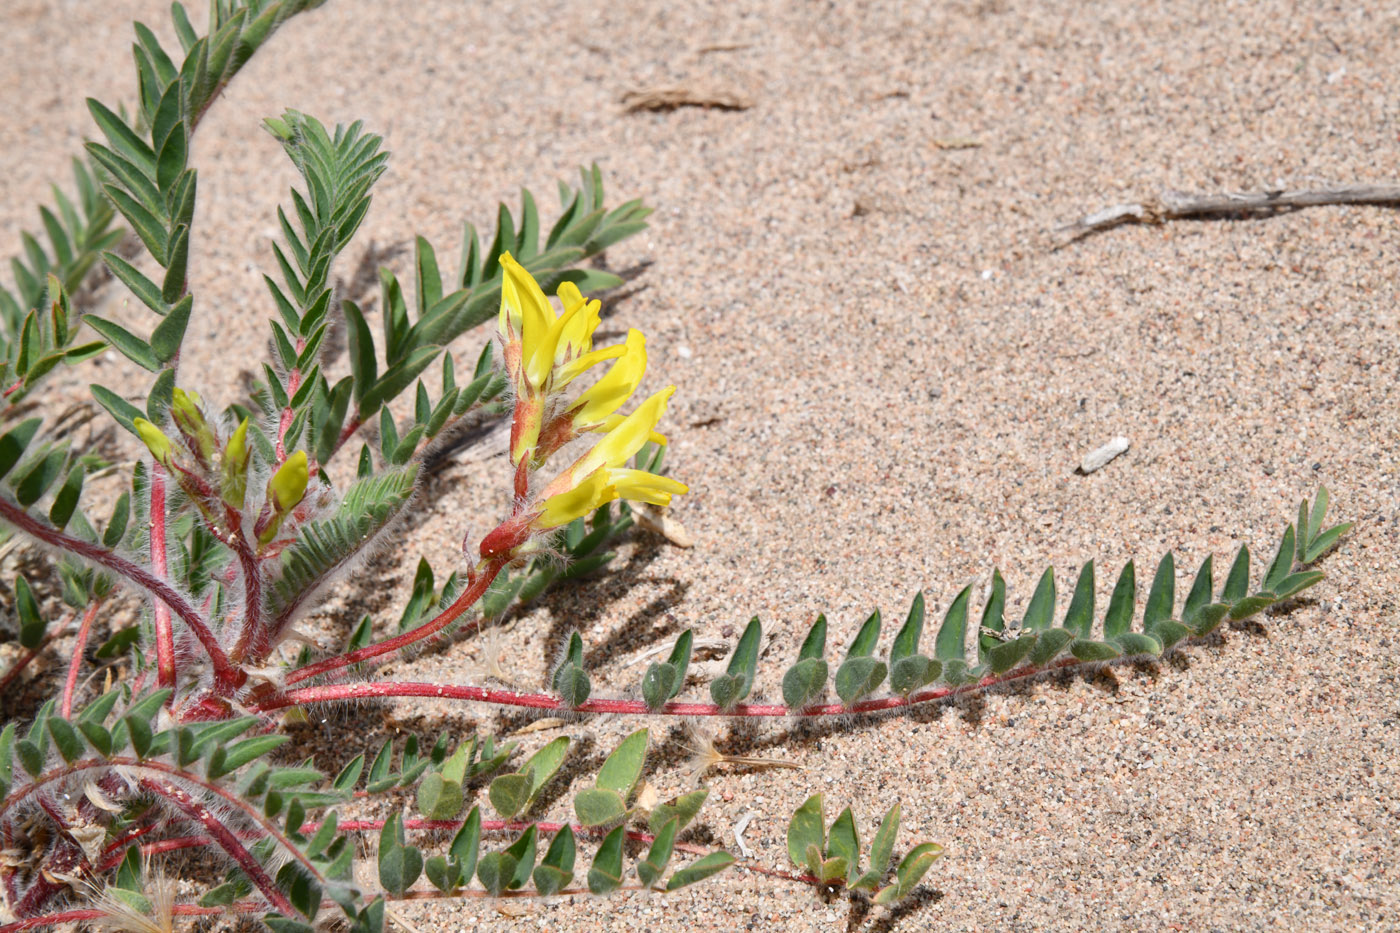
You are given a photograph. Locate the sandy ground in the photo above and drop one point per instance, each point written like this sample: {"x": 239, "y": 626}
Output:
{"x": 886, "y": 378}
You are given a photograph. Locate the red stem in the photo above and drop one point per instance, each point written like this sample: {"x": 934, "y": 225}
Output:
{"x": 76, "y": 664}
{"x": 227, "y": 678}
{"x": 254, "y": 636}
{"x": 345, "y": 434}
{"x": 283, "y": 424}
{"x": 20, "y": 664}
{"x": 544, "y": 701}
{"x": 24, "y": 660}
{"x": 116, "y": 849}
{"x": 480, "y": 580}
{"x": 165, "y": 630}
{"x": 226, "y": 840}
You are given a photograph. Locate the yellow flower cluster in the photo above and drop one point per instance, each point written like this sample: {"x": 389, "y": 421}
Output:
{"x": 544, "y": 353}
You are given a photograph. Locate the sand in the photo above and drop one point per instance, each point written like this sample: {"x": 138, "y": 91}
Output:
{"x": 886, "y": 377}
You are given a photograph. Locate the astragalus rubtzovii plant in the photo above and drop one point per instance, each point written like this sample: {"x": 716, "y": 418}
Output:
{"x": 231, "y": 529}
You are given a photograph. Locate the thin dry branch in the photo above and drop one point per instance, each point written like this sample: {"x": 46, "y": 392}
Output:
{"x": 1178, "y": 206}
{"x": 665, "y": 99}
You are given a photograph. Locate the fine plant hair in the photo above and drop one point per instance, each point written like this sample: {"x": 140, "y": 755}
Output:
{"x": 229, "y": 529}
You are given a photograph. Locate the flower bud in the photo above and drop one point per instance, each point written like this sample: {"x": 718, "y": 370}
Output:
{"x": 288, "y": 484}
{"x": 184, "y": 408}
{"x": 234, "y": 469}
{"x": 155, "y": 440}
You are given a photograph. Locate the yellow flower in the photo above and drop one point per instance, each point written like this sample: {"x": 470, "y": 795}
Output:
{"x": 599, "y": 477}
{"x": 551, "y": 346}
{"x": 616, "y": 386}
{"x": 595, "y": 409}
{"x": 582, "y": 317}
{"x": 595, "y": 479}
{"x": 543, "y": 351}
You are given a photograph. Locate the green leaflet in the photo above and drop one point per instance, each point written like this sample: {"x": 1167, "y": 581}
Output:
{"x": 734, "y": 685}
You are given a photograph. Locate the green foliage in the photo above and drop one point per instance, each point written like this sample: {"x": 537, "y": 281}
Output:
{"x": 663, "y": 681}
{"x": 1038, "y": 643}
{"x": 606, "y": 802}
{"x": 734, "y": 685}
{"x": 512, "y": 794}
{"x": 833, "y": 855}
{"x": 325, "y": 546}
{"x": 805, "y": 681}
{"x": 570, "y": 680}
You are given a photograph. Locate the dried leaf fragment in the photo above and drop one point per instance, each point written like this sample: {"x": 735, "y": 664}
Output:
{"x": 654, "y": 518}
{"x": 540, "y": 725}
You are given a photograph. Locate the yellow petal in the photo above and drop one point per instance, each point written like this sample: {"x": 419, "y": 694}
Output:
{"x": 576, "y": 367}
{"x": 523, "y": 303}
{"x": 569, "y": 294}
{"x": 617, "y": 385}
{"x": 577, "y": 337}
{"x": 641, "y": 486}
{"x": 542, "y": 355}
{"x": 592, "y": 492}
{"x": 619, "y": 444}
{"x": 615, "y": 419}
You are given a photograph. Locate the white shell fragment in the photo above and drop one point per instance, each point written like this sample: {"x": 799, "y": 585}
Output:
{"x": 1098, "y": 459}
{"x": 739, "y": 827}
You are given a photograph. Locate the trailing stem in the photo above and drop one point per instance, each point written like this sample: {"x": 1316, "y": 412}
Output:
{"x": 332, "y": 693}
{"x": 225, "y": 839}
{"x": 227, "y": 678}
{"x": 480, "y": 580}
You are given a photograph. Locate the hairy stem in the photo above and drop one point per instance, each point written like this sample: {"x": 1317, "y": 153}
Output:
{"x": 480, "y": 580}
{"x": 90, "y": 913}
{"x": 254, "y": 637}
{"x": 165, "y": 630}
{"x": 225, "y": 839}
{"x": 164, "y": 773}
{"x": 227, "y": 678}
{"x": 29, "y": 655}
{"x": 75, "y": 665}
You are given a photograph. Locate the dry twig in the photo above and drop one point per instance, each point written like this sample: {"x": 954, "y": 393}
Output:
{"x": 1177, "y": 206}
{"x": 723, "y": 47}
{"x": 665, "y": 99}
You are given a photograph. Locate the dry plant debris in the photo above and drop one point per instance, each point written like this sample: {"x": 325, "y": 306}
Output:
{"x": 666, "y": 99}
